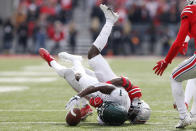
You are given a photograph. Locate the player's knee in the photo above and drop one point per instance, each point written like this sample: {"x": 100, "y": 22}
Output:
{"x": 93, "y": 52}
{"x": 78, "y": 76}
{"x": 172, "y": 78}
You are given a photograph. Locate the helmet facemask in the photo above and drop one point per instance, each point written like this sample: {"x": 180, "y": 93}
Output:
{"x": 139, "y": 114}
{"x": 191, "y": 2}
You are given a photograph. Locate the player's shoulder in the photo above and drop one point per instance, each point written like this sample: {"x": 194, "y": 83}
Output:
{"x": 188, "y": 11}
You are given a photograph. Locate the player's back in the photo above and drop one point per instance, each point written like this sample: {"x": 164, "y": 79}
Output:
{"x": 190, "y": 12}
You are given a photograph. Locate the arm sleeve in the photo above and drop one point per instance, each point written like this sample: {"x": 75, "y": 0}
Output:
{"x": 183, "y": 32}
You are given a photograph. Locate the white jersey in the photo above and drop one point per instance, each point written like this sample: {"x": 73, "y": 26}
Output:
{"x": 118, "y": 95}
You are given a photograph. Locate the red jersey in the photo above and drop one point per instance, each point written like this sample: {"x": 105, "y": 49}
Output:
{"x": 187, "y": 27}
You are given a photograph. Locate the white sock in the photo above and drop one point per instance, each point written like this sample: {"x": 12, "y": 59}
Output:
{"x": 178, "y": 94}
{"x": 58, "y": 68}
{"x": 189, "y": 90}
{"x": 102, "y": 39}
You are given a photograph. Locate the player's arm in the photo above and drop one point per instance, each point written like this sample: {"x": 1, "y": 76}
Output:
{"x": 106, "y": 89}
{"x": 183, "y": 49}
{"x": 121, "y": 82}
{"x": 183, "y": 31}
{"x": 173, "y": 51}
{"x": 133, "y": 91}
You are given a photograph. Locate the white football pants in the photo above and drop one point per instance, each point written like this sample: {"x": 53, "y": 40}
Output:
{"x": 185, "y": 71}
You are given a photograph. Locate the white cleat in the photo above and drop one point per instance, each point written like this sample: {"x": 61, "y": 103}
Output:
{"x": 184, "y": 122}
{"x": 67, "y": 56}
{"x": 109, "y": 14}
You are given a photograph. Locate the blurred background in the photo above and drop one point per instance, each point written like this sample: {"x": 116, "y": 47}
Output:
{"x": 145, "y": 27}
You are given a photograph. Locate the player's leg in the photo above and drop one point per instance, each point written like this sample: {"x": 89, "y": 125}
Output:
{"x": 52, "y": 63}
{"x": 96, "y": 61}
{"x": 189, "y": 90}
{"x": 69, "y": 75}
{"x": 193, "y": 108}
{"x": 186, "y": 70}
{"x": 83, "y": 76}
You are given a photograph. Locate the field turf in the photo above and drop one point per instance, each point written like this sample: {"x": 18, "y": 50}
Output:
{"x": 39, "y": 105}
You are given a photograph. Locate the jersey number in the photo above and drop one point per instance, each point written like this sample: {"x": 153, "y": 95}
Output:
{"x": 120, "y": 92}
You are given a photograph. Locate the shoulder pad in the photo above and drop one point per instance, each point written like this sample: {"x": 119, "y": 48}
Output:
{"x": 187, "y": 12}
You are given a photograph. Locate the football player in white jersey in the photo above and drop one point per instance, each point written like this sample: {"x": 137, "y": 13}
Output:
{"x": 102, "y": 85}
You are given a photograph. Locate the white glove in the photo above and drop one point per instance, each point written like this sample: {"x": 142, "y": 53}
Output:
{"x": 72, "y": 102}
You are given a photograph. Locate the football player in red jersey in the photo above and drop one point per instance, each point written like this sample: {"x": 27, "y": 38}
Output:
{"x": 187, "y": 69}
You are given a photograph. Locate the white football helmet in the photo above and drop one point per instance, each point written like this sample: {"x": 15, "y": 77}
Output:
{"x": 191, "y": 2}
{"x": 139, "y": 114}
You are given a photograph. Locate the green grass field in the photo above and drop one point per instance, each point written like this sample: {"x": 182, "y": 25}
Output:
{"x": 39, "y": 105}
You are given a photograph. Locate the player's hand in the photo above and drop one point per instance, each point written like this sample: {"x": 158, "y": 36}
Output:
{"x": 135, "y": 93}
{"x": 160, "y": 67}
{"x": 72, "y": 102}
{"x": 96, "y": 102}
{"x": 183, "y": 48}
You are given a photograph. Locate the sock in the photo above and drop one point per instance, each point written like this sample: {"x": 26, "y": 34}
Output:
{"x": 178, "y": 94}
{"x": 102, "y": 39}
{"x": 58, "y": 68}
{"x": 189, "y": 90}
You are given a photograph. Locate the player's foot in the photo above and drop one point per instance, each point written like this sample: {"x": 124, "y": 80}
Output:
{"x": 184, "y": 122}
{"x": 45, "y": 55}
{"x": 85, "y": 112}
{"x": 67, "y": 56}
{"x": 109, "y": 14}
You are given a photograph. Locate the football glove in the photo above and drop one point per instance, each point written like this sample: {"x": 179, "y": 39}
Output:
{"x": 160, "y": 67}
{"x": 96, "y": 102}
{"x": 183, "y": 48}
{"x": 72, "y": 102}
{"x": 135, "y": 92}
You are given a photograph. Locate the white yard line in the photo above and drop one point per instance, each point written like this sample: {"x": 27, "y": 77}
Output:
{"x": 25, "y": 73}
{"x": 45, "y": 110}
{"x": 27, "y": 79}
{"x": 26, "y": 110}
{"x": 12, "y": 88}
{"x": 54, "y": 122}
{"x": 36, "y": 122}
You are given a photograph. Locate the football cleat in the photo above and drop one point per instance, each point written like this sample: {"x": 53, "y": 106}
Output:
{"x": 184, "y": 122}
{"x": 85, "y": 112}
{"x": 67, "y": 56}
{"x": 45, "y": 55}
{"x": 109, "y": 14}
